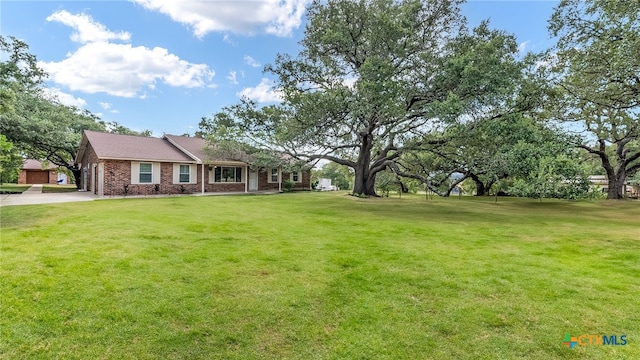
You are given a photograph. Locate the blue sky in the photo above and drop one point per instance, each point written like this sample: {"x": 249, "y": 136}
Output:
{"x": 163, "y": 64}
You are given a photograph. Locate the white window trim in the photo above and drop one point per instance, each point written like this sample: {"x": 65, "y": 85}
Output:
{"x": 135, "y": 172}
{"x": 243, "y": 174}
{"x": 299, "y": 177}
{"x": 269, "y": 176}
{"x": 192, "y": 174}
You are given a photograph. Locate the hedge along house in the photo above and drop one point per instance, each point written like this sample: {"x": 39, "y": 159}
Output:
{"x": 114, "y": 165}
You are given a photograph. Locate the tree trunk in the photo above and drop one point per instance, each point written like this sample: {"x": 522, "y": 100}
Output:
{"x": 481, "y": 190}
{"x": 615, "y": 177}
{"x": 365, "y": 181}
{"x": 615, "y": 187}
{"x": 403, "y": 187}
{"x": 77, "y": 175}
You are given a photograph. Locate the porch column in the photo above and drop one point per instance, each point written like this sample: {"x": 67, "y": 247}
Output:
{"x": 94, "y": 178}
{"x": 246, "y": 178}
{"x": 101, "y": 179}
{"x": 202, "y": 177}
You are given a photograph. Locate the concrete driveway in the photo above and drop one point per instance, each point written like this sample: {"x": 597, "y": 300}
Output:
{"x": 35, "y": 196}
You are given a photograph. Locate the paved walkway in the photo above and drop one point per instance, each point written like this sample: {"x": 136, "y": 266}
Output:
{"x": 34, "y": 195}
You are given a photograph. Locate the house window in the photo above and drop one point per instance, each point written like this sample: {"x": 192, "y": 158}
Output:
{"x": 273, "y": 175}
{"x": 228, "y": 174}
{"x": 146, "y": 173}
{"x": 295, "y": 177}
{"x": 185, "y": 173}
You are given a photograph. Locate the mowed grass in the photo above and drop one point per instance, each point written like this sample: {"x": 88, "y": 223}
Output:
{"x": 14, "y": 188}
{"x": 50, "y": 189}
{"x": 318, "y": 276}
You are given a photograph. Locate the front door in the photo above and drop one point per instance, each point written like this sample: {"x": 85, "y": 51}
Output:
{"x": 253, "y": 179}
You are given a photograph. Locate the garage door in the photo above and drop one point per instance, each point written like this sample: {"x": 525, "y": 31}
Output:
{"x": 37, "y": 177}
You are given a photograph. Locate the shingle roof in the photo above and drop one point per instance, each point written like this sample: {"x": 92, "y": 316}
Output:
{"x": 30, "y": 164}
{"x": 129, "y": 147}
{"x": 193, "y": 145}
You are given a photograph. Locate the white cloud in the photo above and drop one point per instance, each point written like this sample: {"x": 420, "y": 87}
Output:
{"x": 120, "y": 69}
{"x": 251, "y": 61}
{"x": 232, "y": 78}
{"x": 64, "y": 98}
{"x": 87, "y": 29}
{"x": 107, "y": 106}
{"x": 227, "y": 38}
{"x": 523, "y": 46}
{"x": 278, "y": 17}
{"x": 263, "y": 92}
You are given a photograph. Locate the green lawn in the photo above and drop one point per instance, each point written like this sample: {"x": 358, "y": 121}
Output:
{"x": 318, "y": 276}
{"x": 48, "y": 189}
{"x": 14, "y": 188}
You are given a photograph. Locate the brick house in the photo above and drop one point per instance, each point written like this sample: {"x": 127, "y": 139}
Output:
{"x": 34, "y": 172}
{"x": 114, "y": 164}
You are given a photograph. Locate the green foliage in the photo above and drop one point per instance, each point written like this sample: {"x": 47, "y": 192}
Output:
{"x": 10, "y": 161}
{"x": 487, "y": 151}
{"x": 228, "y": 140}
{"x": 595, "y": 67}
{"x": 288, "y": 185}
{"x": 115, "y": 127}
{"x": 19, "y": 72}
{"x": 38, "y": 127}
{"x": 372, "y": 77}
{"x": 46, "y": 130}
{"x": 553, "y": 177}
{"x": 386, "y": 181}
{"x": 340, "y": 175}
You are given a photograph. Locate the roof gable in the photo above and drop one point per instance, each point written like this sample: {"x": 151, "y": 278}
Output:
{"x": 31, "y": 164}
{"x": 194, "y": 146}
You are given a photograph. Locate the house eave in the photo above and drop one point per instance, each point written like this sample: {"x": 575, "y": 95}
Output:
{"x": 174, "y": 161}
{"x": 189, "y": 154}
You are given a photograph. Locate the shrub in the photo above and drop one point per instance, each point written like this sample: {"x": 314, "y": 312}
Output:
{"x": 288, "y": 185}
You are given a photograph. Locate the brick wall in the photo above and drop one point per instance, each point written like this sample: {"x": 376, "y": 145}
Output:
{"x": 263, "y": 184}
{"x": 88, "y": 158}
{"x": 117, "y": 175}
{"x": 53, "y": 177}
{"x": 22, "y": 177}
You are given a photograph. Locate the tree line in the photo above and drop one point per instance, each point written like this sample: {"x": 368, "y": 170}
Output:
{"x": 34, "y": 124}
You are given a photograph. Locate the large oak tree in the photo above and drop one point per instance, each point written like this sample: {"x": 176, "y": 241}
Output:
{"x": 597, "y": 70}
{"x": 372, "y": 78}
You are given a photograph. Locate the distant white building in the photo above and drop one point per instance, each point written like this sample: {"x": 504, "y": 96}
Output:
{"x": 325, "y": 185}
{"x": 600, "y": 181}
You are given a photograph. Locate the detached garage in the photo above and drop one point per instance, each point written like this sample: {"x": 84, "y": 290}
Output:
{"x": 33, "y": 173}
